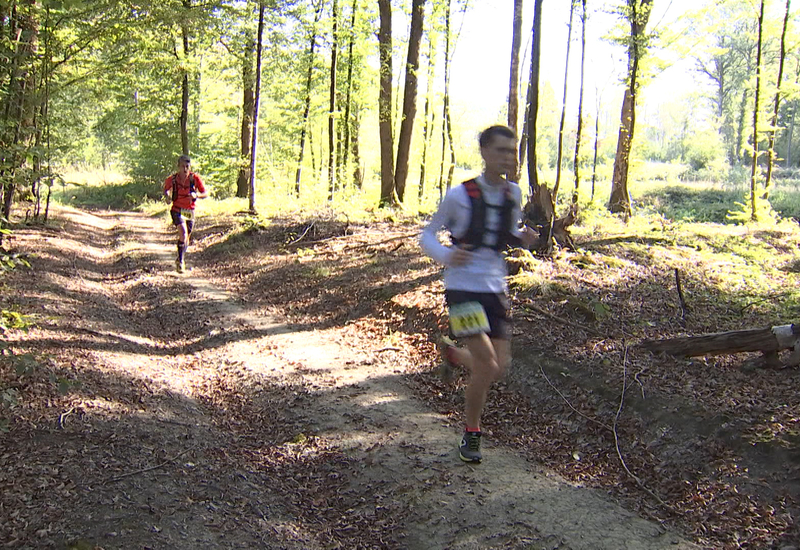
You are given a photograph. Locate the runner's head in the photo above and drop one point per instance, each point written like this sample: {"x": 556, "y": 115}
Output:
{"x": 184, "y": 162}
{"x": 499, "y": 150}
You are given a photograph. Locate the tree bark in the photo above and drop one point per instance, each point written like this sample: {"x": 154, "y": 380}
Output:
{"x": 754, "y": 166}
{"x": 409, "y": 98}
{"x": 774, "y": 126}
{"x": 638, "y": 16}
{"x": 560, "y": 148}
{"x": 332, "y": 103}
{"x": 533, "y": 94}
{"x": 349, "y": 93}
{"x": 19, "y": 101}
{"x": 579, "y": 133}
{"x": 307, "y": 105}
{"x": 385, "y": 104}
{"x": 257, "y": 98}
{"x": 768, "y": 340}
{"x": 428, "y": 117}
{"x": 513, "y": 80}
{"x": 184, "y": 120}
{"x": 248, "y": 104}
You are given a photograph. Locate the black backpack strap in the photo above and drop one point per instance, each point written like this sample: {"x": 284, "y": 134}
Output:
{"x": 174, "y": 186}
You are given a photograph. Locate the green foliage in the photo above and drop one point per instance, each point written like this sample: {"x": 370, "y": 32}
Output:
{"x": 744, "y": 212}
{"x": 125, "y": 195}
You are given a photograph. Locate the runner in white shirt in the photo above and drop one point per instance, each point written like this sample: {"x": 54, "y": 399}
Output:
{"x": 483, "y": 217}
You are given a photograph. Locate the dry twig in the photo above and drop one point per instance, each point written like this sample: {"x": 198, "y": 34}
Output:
{"x": 589, "y": 418}
{"x": 537, "y": 309}
{"x": 151, "y": 468}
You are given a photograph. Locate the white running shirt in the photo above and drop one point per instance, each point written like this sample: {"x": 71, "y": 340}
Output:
{"x": 486, "y": 271}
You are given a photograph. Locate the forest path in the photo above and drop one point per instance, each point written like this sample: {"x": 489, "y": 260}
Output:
{"x": 262, "y": 434}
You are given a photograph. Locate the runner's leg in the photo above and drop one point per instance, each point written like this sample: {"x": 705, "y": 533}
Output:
{"x": 485, "y": 369}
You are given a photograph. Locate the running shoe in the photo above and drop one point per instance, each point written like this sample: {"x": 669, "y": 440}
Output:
{"x": 180, "y": 266}
{"x": 470, "y": 449}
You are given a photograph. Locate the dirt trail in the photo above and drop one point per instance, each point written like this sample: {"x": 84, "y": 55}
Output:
{"x": 387, "y": 460}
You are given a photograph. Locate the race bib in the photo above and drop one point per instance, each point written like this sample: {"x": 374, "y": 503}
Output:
{"x": 468, "y": 319}
{"x": 187, "y": 214}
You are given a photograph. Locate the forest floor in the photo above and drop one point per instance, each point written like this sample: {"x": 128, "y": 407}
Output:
{"x": 283, "y": 393}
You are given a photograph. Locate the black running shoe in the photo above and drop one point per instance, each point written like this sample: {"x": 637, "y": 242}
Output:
{"x": 470, "y": 450}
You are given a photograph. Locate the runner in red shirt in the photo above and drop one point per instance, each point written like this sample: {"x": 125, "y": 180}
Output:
{"x": 184, "y": 187}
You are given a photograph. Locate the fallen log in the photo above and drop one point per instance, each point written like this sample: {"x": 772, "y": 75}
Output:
{"x": 768, "y": 341}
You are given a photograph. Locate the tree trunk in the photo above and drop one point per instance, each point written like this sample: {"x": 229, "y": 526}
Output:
{"x": 447, "y": 122}
{"x": 768, "y": 340}
{"x": 533, "y": 94}
{"x": 256, "y": 99}
{"x": 332, "y": 103}
{"x": 427, "y": 116}
{"x": 19, "y": 101}
{"x": 409, "y": 98}
{"x": 754, "y": 167}
{"x": 774, "y": 125}
{"x": 513, "y": 80}
{"x": 358, "y": 175}
{"x": 184, "y": 122}
{"x": 248, "y": 104}
{"x": 579, "y": 133}
{"x": 348, "y": 95}
{"x": 307, "y": 106}
{"x": 560, "y": 148}
{"x": 596, "y": 147}
{"x": 385, "y": 104}
{"x": 638, "y": 15}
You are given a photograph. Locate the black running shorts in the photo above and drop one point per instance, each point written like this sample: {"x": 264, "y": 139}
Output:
{"x": 496, "y": 306}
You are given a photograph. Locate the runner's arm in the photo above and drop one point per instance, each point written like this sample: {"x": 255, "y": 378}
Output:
{"x": 443, "y": 218}
{"x": 200, "y": 189}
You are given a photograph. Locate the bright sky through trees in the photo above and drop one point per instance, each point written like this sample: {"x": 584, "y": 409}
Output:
{"x": 481, "y": 64}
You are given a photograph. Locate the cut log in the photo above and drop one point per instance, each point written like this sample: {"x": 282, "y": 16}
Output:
{"x": 768, "y": 340}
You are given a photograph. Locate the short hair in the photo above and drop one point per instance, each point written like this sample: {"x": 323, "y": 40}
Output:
{"x": 486, "y": 137}
{"x": 184, "y": 158}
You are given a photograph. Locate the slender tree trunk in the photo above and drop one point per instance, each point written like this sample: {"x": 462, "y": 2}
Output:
{"x": 332, "y": 103}
{"x": 348, "y": 95}
{"x": 447, "y": 122}
{"x": 560, "y": 148}
{"x": 741, "y": 124}
{"x": 409, "y": 98}
{"x": 248, "y": 103}
{"x": 639, "y": 14}
{"x": 596, "y": 146}
{"x": 533, "y": 94}
{"x": 754, "y": 167}
{"x": 385, "y": 104}
{"x": 513, "y": 80}
{"x": 19, "y": 102}
{"x": 788, "y": 161}
{"x": 184, "y": 121}
{"x": 257, "y": 99}
{"x": 576, "y": 165}
{"x": 774, "y": 125}
{"x": 428, "y": 115}
{"x": 358, "y": 175}
{"x": 305, "y": 127}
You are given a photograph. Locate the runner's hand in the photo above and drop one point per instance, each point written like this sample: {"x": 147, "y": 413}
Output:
{"x": 460, "y": 255}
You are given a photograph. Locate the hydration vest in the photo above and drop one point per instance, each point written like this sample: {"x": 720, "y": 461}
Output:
{"x": 477, "y": 223}
{"x": 175, "y": 185}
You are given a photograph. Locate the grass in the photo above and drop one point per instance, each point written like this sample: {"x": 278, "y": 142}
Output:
{"x": 686, "y": 226}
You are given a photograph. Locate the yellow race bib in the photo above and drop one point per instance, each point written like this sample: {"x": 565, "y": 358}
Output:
{"x": 187, "y": 214}
{"x": 468, "y": 319}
